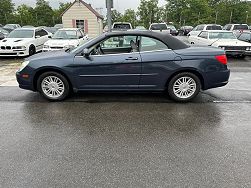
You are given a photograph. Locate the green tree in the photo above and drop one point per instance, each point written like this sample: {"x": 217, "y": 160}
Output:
{"x": 44, "y": 14}
{"x": 6, "y": 11}
{"x": 130, "y": 16}
{"x": 26, "y": 15}
{"x": 148, "y": 12}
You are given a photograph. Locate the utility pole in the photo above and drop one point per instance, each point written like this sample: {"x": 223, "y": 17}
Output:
{"x": 216, "y": 17}
{"x": 199, "y": 18}
{"x": 109, "y": 14}
{"x": 231, "y": 15}
{"x": 247, "y": 17}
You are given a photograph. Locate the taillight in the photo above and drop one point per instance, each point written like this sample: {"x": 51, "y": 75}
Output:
{"x": 222, "y": 59}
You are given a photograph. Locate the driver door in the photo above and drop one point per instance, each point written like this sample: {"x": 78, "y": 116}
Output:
{"x": 112, "y": 65}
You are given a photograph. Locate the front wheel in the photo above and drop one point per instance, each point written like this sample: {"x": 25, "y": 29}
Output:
{"x": 32, "y": 50}
{"x": 184, "y": 87}
{"x": 53, "y": 86}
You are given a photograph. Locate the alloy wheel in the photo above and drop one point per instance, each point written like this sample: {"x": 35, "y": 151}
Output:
{"x": 53, "y": 87}
{"x": 184, "y": 87}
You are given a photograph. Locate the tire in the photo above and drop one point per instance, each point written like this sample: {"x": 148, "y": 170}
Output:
{"x": 32, "y": 50}
{"x": 53, "y": 86}
{"x": 184, "y": 87}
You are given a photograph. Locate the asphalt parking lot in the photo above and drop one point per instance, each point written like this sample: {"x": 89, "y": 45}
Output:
{"x": 126, "y": 140}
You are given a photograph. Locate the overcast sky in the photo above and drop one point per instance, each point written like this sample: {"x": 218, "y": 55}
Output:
{"x": 120, "y": 5}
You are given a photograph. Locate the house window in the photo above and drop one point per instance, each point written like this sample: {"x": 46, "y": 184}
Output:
{"x": 80, "y": 24}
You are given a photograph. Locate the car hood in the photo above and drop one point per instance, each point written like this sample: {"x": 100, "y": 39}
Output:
{"x": 15, "y": 41}
{"x": 62, "y": 43}
{"x": 234, "y": 42}
{"x": 200, "y": 51}
{"x": 49, "y": 55}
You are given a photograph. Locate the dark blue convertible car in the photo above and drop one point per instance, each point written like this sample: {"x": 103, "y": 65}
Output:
{"x": 131, "y": 61}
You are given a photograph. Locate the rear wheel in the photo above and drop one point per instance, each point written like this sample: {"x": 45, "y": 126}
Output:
{"x": 184, "y": 87}
{"x": 53, "y": 86}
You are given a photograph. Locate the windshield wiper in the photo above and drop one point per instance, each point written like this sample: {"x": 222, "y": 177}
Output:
{"x": 214, "y": 42}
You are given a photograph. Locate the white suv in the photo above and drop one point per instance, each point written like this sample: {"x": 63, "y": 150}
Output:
{"x": 160, "y": 27}
{"x": 121, "y": 26}
{"x": 236, "y": 28}
{"x": 204, "y": 27}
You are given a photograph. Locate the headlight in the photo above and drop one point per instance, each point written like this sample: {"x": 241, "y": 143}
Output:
{"x": 222, "y": 47}
{"x": 19, "y": 48}
{"x": 24, "y": 64}
{"x": 69, "y": 46}
{"x": 248, "y": 48}
{"x": 46, "y": 46}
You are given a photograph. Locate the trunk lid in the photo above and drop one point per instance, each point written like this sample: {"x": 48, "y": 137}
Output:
{"x": 200, "y": 51}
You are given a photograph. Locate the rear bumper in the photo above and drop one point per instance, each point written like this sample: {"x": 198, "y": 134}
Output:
{"x": 216, "y": 79}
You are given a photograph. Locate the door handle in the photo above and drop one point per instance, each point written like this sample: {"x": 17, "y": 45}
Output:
{"x": 132, "y": 58}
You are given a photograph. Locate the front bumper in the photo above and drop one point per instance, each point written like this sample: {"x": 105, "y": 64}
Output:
{"x": 13, "y": 53}
{"x": 24, "y": 83}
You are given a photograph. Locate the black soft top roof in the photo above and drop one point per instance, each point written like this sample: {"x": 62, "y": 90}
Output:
{"x": 172, "y": 42}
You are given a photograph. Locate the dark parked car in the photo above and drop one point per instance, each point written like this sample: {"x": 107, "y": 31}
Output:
{"x": 184, "y": 30}
{"x": 173, "y": 30}
{"x": 132, "y": 61}
{"x": 245, "y": 36}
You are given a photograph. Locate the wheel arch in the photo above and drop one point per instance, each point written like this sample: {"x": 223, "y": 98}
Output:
{"x": 50, "y": 69}
{"x": 193, "y": 71}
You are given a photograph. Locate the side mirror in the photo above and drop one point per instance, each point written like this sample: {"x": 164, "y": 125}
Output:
{"x": 80, "y": 37}
{"x": 37, "y": 37}
{"x": 86, "y": 52}
{"x": 49, "y": 37}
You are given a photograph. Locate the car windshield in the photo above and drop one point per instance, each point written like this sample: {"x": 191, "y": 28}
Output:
{"x": 21, "y": 34}
{"x": 240, "y": 27}
{"x": 65, "y": 34}
{"x": 158, "y": 27}
{"x": 221, "y": 35}
{"x": 121, "y": 26}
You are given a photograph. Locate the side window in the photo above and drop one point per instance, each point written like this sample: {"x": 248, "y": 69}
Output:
{"x": 43, "y": 32}
{"x": 151, "y": 44}
{"x": 228, "y": 27}
{"x": 80, "y": 24}
{"x": 37, "y": 33}
{"x": 119, "y": 42}
{"x": 203, "y": 34}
